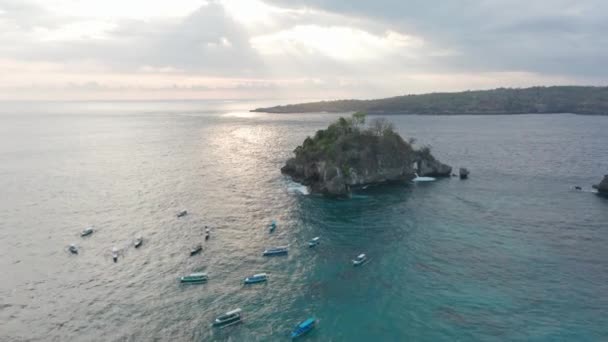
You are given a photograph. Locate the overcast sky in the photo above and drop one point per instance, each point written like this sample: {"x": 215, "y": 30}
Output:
{"x": 309, "y": 49}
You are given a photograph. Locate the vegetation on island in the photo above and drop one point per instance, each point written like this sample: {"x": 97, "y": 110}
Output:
{"x": 557, "y": 99}
{"x": 349, "y": 153}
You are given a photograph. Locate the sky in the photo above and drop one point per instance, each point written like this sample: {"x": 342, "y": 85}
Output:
{"x": 296, "y": 49}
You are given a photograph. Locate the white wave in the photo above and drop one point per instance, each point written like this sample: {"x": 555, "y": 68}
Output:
{"x": 297, "y": 188}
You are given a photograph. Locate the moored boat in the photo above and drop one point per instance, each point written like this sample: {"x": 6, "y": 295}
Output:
{"x": 73, "y": 249}
{"x": 182, "y": 213}
{"x": 229, "y": 318}
{"x": 86, "y": 232}
{"x": 115, "y": 254}
{"x": 275, "y": 251}
{"x": 360, "y": 260}
{"x": 196, "y": 249}
{"x": 315, "y": 241}
{"x": 194, "y": 278}
{"x": 256, "y": 278}
{"x": 303, "y": 328}
{"x": 138, "y": 241}
{"x": 422, "y": 179}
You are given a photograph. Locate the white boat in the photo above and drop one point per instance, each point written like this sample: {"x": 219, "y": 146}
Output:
{"x": 315, "y": 241}
{"x": 196, "y": 249}
{"x": 115, "y": 254}
{"x": 138, "y": 241}
{"x": 422, "y": 179}
{"x": 73, "y": 249}
{"x": 229, "y": 318}
{"x": 360, "y": 260}
{"x": 86, "y": 232}
{"x": 275, "y": 251}
{"x": 256, "y": 278}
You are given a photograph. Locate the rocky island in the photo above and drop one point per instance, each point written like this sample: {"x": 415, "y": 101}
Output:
{"x": 602, "y": 187}
{"x": 348, "y": 154}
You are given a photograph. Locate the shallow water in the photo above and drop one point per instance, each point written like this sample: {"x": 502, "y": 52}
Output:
{"x": 510, "y": 254}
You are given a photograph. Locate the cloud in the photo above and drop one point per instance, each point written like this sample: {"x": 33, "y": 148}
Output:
{"x": 297, "y": 48}
{"x": 550, "y": 36}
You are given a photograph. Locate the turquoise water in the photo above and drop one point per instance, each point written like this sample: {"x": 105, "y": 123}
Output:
{"x": 510, "y": 254}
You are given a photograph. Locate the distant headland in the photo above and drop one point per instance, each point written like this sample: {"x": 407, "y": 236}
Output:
{"x": 535, "y": 100}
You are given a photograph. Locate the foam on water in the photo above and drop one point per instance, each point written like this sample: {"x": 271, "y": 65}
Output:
{"x": 297, "y": 188}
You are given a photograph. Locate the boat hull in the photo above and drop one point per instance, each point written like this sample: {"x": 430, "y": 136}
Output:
{"x": 196, "y": 251}
{"x": 359, "y": 263}
{"x": 188, "y": 280}
{"x": 254, "y": 281}
{"x": 303, "y": 328}
{"x": 274, "y": 253}
{"x": 227, "y": 323}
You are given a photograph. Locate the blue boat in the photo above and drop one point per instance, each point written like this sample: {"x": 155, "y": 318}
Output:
{"x": 256, "y": 278}
{"x": 273, "y": 226}
{"x": 315, "y": 241}
{"x": 303, "y": 328}
{"x": 275, "y": 251}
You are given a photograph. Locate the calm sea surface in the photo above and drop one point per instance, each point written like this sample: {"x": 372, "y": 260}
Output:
{"x": 511, "y": 254}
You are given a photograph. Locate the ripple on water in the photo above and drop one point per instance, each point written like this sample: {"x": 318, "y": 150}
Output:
{"x": 509, "y": 254}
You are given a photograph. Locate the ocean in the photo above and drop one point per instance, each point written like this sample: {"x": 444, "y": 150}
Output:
{"x": 511, "y": 254}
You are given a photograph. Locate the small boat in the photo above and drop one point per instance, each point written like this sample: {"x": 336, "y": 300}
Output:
{"x": 360, "y": 260}
{"x": 138, "y": 242}
{"x": 87, "y": 231}
{"x": 275, "y": 251}
{"x": 196, "y": 249}
{"x": 273, "y": 226}
{"x": 194, "y": 278}
{"x": 182, "y": 213}
{"x": 303, "y": 328}
{"x": 315, "y": 241}
{"x": 422, "y": 179}
{"x": 73, "y": 249}
{"x": 115, "y": 254}
{"x": 229, "y": 318}
{"x": 207, "y": 233}
{"x": 256, "y": 278}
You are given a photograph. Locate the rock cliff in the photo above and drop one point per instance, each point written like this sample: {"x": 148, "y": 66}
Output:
{"x": 602, "y": 187}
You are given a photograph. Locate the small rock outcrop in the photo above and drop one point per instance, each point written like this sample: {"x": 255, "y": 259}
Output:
{"x": 347, "y": 155}
{"x": 464, "y": 173}
{"x": 602, "y": 188}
